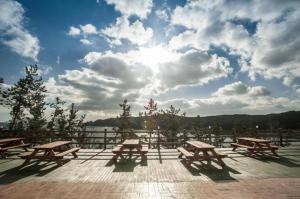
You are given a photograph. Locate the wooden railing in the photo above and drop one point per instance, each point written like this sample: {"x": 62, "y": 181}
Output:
{"x": 160, "y": 139}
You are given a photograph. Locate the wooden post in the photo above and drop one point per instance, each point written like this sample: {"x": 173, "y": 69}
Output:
{"x": 105, "y": 136}
{"x": 150, "y": 138}
{"x": 209, "y": 134}
{"x": 158, "y": 139}
{"x": 184, "y": 137}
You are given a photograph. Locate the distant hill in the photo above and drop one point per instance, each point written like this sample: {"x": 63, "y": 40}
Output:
{"x": 286, "y": 120}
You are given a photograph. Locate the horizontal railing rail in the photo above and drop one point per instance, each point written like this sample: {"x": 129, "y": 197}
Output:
{"x": 159, "y": 139}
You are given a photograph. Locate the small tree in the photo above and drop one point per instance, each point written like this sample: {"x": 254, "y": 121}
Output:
{"x": 36, "y": 100}
{"x": 150, "y": 117}
{"x": 27, "y": 95}
{"x": 124, "y": 116}
{"x": 15, "y": 98}
{"x": 57, "y": 116}
{"x": 172, "y": 118}
{"x": 124, "y": 122}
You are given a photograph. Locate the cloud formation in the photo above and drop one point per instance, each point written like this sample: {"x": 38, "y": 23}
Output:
{"x": 132, "y": 7}
{"x": 262, "y": 51}
{"x": 13, "y": 32}
{"x": 135, "y": 32}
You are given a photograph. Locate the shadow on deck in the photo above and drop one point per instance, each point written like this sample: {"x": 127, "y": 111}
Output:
{"x": 164, "y": 166}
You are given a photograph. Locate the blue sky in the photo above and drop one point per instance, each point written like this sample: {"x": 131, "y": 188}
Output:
{"x": 206, "y": 57}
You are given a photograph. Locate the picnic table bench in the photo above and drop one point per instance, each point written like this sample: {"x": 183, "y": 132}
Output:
{"x": 47, "y": 152}
{"x": 11, "y": 143}
{"x": 130, "y": 147}
{"x": 192, "y": 153}
{"x": 254, "y": 145}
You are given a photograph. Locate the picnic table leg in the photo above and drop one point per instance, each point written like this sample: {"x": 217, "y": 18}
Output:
{"x": 234, "y": 148}
{"x": 3, "y": 154}
{"x": 272, "y": 149}
{"x": 219, "y": 160}
{"x": 27, "y": 160}
{"x": 25, "y": 148}
{"x": 189, "y": 161}
{"x": 73, "y": 153}
{"x": 206, "y": 157}
{"x": 180, "y": 155}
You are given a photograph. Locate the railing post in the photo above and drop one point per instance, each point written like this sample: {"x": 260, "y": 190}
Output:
{"x": 150, "y": 138}
{"x": 209, "y": 134}
{"x": 280, "y": 138}
{"x": 105, "y": 136}
{"x": 184, "y": 137}
{"x": 158, "y": 139}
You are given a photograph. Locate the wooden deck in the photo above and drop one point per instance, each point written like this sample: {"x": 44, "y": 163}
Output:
{"x": 94, "y": 171}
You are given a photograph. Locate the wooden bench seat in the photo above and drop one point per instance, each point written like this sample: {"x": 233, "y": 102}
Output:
{"x": 184, "y": 152}
{"x": 274, "y": 147}
{"x": 241, "y": 145}
{"x": 13, "y": 147}
{"x": 219, "y": 154}
{"x": 144, "y": 149}
{"x": 72, "y": 150}
{"x": 117, "y": 148}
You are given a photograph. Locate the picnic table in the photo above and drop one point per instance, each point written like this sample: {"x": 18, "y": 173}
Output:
{"x": 130, "y": 147}
{"x": 200, "y": 151}
{"x": 48, "y": 152}
{"x": 254, "y": 145}
{"x": 11, "y": 143}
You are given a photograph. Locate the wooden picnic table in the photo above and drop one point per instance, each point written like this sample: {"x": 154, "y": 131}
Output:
{"x": 200, "y": 151}
{"x": 130, "y": 147}
{"x": 47, "y": 152}
{"x": 11, "y": 143}
{"x": 254, "y": 145}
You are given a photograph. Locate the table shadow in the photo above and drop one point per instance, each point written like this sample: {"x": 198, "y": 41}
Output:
{"x": 31, "y": 169}
{"x": 211, "y": 171}
{"x": 127, "y": 164}
{"x": 268, "y": 158}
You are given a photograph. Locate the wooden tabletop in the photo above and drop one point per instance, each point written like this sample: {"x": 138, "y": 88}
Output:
{"x": 52, "y": 145}
{"x": 131, "y": 142}
{"x": 10, "y": 140}
{"x": 200, "y": 145}
{"x": 253, "y": 140}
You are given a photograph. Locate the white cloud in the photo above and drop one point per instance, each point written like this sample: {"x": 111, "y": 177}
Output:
{"x": 85, "y": 30}
{"x": 269, "y": 53}
{"x": 13, "y": 31}
{"x": 236, "y": 98}
{"x": 88, "y": 29}
{"x": 192, "y": 68}
{"x": 238, "y": 89}
{"x": 73, "y": 31}
{"x": 135, "y": 32}
{"x": 133, "y": 7}
{"x": 277, "y": 53}
{"x": 86, "y": 42}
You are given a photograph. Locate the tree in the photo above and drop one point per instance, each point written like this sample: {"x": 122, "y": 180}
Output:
{"x": 171, "y": 118}
{"x": 15, "y": 97}
{"x": 28, "y": 94}
{"x": 124, "y": 116}
{"x": 36, "y": 99}
{"x": 150, "y": 116}
{"x": 124, "y": 122}
{"x": 57, "y": 116}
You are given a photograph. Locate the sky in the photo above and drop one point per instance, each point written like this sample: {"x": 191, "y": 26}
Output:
{"x": 206, "y": 57}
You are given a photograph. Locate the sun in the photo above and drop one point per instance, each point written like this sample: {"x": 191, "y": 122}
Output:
{"x": 154, "y": 56}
